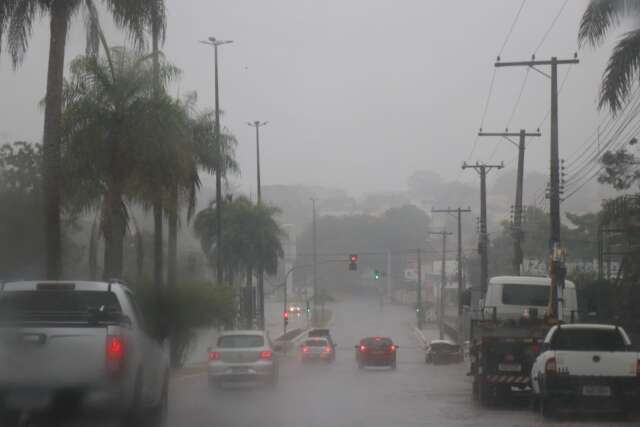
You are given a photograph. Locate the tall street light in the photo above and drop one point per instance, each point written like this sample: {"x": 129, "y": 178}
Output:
{"x": 258, "y": 124}
{"x": 212, "y": 41}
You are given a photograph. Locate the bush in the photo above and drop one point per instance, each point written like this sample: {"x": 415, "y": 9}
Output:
{"x": 177, "y": 313}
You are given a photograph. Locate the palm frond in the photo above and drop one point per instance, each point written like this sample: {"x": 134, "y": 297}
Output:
{"x": 20, "y": 26}
{"x": 621, "y": 72}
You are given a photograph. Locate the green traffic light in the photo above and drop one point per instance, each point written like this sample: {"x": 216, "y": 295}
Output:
{"x": 376, "y": 275}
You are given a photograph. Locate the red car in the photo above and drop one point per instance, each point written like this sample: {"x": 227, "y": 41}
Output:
{"x": 376, "y": 351}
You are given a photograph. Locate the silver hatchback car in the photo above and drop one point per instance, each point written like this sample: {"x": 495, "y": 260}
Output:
{"x": 242, "y": 357}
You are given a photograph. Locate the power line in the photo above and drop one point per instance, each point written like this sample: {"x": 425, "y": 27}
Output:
{"x": 515, "y": 107}
{"x": 513, "y": 25}
{"x": 553, "y": 23}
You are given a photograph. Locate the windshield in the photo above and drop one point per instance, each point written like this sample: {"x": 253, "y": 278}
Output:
{"x": 377, "y": 342}
{"x": 58, "y": 305}
{"x": 528, "y": 295}
{"x": 588, "y": 340}
{"x": 240, "y": 341}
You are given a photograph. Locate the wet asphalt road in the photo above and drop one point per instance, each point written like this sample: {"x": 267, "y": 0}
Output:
{"x": 339, "y": 394}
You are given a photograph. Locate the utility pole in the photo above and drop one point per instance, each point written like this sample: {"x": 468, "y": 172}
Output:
{"x": 315, "y": 267}
{"x": 518, "y": 234}
{"x": 212, "y": 41}
{"x": 258, "y": 124}
{"x": 557, "y": 270}
{"x": 461, "y": 286}
{"x": 419, "y": 309}
{"x": 443, "y": 279}
{"x": 482, "y": 170}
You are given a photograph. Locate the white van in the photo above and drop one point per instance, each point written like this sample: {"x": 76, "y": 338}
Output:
{"x": 511, "y": 296}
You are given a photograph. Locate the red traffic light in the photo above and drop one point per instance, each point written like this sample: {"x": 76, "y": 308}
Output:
{"x": 285, "y": 314}
{"x": 353, "y": 258}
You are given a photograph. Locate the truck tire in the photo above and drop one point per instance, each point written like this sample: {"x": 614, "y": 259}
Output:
{"x": 485, "y": 393}
{"x": 547, "y": 407}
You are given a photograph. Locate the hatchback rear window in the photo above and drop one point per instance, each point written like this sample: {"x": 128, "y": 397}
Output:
{"x": 377, "y": 342}
{"x": 56, "y": 305}
{"x": 240, "y": 341}
{"x": 316, "y": 343}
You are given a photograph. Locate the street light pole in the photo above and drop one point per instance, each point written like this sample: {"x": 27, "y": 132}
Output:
{"x": 315, "y": 268}
{"x": 257, "y": 124}
{"x": 212, "y": 41}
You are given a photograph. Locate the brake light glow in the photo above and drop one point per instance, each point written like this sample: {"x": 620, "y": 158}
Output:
{"x": 392, "y": 348}
{"x": 306, "y": 349}
{"x": 363, "y": 348}
{"x": 551, "y": 367}
{"x": 115, "y": 348}
{"x": 214, "y": 355}
{"x": 266, "y": 355}
{"x": 327, "y": 349}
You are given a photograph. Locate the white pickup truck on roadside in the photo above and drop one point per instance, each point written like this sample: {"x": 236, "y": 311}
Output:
{"x": 586, "y": 366}
{"x": 72, "y": 349}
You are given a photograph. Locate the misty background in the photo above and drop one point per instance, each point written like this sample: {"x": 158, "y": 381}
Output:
{"x": 363, "y": 117}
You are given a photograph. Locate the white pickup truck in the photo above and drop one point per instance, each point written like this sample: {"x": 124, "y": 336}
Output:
{"x": 585, "y": 366}
{"x": 78, "y": 349}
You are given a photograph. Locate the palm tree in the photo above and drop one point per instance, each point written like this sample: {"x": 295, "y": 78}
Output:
{"x": 251, "y": 237}
{"x": 194, "y": 154}
{"x": 109, "y": 110}
{"x": 16, "y": 18}
{"x": 623, "y": 67}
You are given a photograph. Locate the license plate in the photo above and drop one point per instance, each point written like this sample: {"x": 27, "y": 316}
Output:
{"x": 509, "y": 367}
{"x": 596, "y": 390}
{"x": 28, "y": 399}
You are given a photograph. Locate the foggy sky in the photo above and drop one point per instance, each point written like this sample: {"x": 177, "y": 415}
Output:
{"x": 359, "y": 93}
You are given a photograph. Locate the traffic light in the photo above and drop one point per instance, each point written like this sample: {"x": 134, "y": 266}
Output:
{"x": 285, "y": 317}
{"x": 308, "y": 307}
{"x": 376, "y": 275}
{"x": 353, "y": 262}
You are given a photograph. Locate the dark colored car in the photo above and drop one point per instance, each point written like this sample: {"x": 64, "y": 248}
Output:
{"x": 318, "y": 349}
{"x": 443, "y": 351}
{"x": 323, "y": 333}
{"x": 376, "y": 351}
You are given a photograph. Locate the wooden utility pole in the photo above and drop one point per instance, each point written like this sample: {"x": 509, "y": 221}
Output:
{"x": 443, "y": 279}
{"x": 557, "y": 269}
{"x": 518, "y": 234}
{"x": 461, "y": 286}
{"x": 482, "y": 170}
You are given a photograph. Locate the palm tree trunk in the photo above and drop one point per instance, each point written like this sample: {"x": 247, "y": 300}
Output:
{"x": 51, "y": 140}
{"x": 172, "y": 268}
{"x": 250, "y": 304}
{"x": 158, "y": 260}
{"x": 114, "y": 232}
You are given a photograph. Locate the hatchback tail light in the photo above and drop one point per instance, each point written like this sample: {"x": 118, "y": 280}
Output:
{"x": 551, "y": 367}
{"x": 327, "y": 349}
{"x": 266, "y": 355}
{"x": 214, "y": 355}
{"x": 115, "y": 353}
{"x": 392, "y": 348}
{"x": 363, "y": 348}
{"x": 306, "y": 349}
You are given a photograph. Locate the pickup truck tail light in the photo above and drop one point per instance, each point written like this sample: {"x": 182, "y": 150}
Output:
{"x": 550, "y": 366}
{"x": 115, "y": 352}
{"x": 266, "y": 355}
{"x": 214, "y": 355}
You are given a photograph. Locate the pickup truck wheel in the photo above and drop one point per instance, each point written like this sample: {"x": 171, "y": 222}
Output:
{"x": 160, "y": 411}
